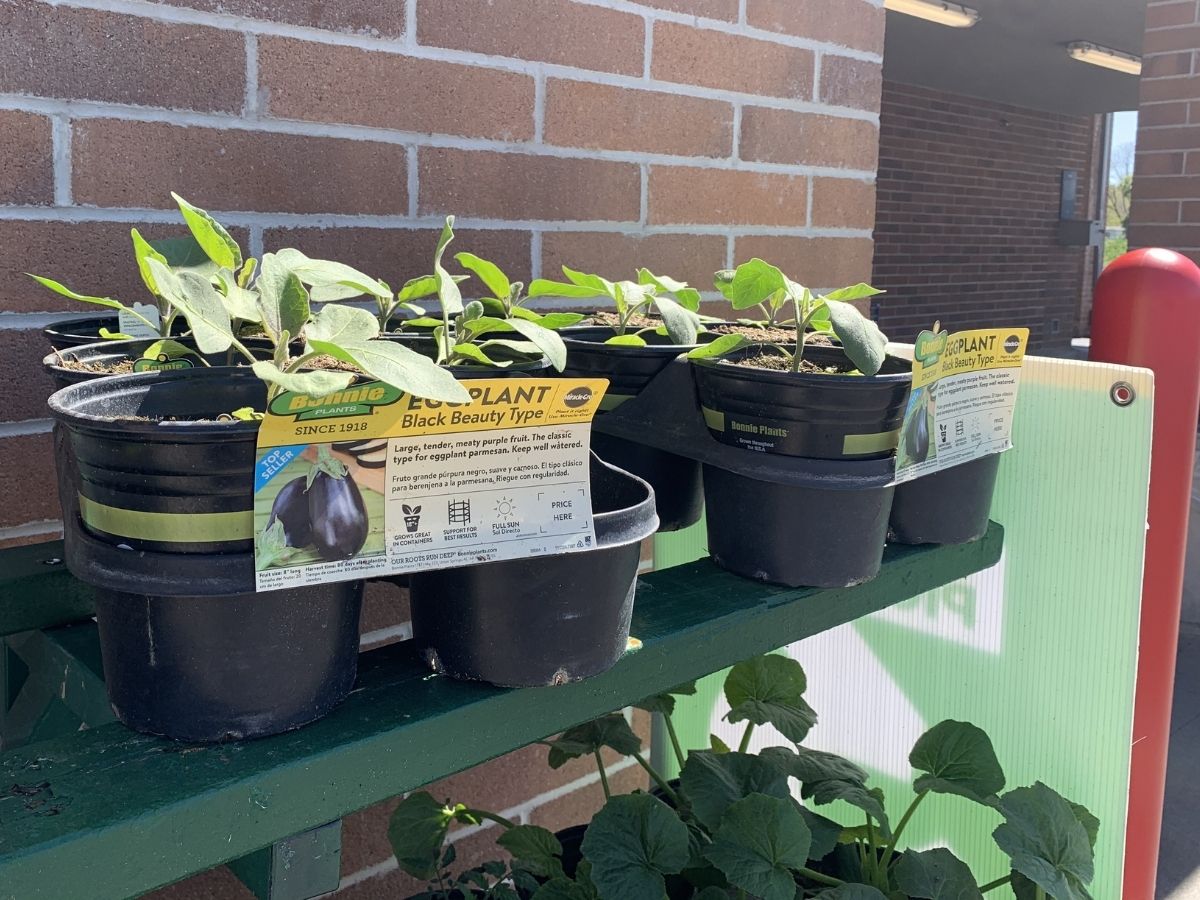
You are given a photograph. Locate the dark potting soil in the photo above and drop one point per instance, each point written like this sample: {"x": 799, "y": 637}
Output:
{"x": 773, "y": 334}
{"x": 777, "y": 362}
{"x": 116, "y": 367}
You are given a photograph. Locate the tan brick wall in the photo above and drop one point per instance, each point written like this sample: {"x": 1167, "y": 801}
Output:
{"x": 677, "y": 134}
{"x": 1166, "y": 182}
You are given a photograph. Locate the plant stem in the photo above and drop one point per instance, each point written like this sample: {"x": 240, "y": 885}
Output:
{"x": 603, "y": 776}
{"x": 498, "y": 819}
{"x": 1039, "y": 894}
{"x": 999, "y": 882}
{"x": 819, "y": 878}
{"x": 873, "y": 862}
{"x": 675, "y": 745}
{"x": 659, "y": 780}
{"x": 744, "y": 745}
{"x": 904, "y": 819}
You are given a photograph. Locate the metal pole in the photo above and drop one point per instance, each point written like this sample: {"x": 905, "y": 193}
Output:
{"x": 1147, "y": 314}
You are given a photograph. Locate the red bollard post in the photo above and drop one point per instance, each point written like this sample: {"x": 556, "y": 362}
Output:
{"x": 1146, "y": 313}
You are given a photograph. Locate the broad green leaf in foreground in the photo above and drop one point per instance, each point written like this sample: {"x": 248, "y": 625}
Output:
{"x": 936, "y": 875}
{"x": 770, "y": 689}
{"x": 712, "y": 782}
{"x": 1046, "y": 841}
{"x": 311, "y": 384}
{"x": 957, "y": 758}
{"x": 758, "y": 843}
{"x": 631, "y": 844}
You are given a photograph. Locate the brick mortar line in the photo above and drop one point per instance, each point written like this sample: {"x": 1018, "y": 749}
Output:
{"x": 520, "y": 811}
{"x": 60, "y": 154}
{"x": 86, "y": 109}
{"x": 25, "y": 428}
{"x": 246, "y": 218}
{"x": 412, "y": 160}
{"x": 32, "y": 529}
{"x": 231, "y": 21}
{"x": 250, "y": 100}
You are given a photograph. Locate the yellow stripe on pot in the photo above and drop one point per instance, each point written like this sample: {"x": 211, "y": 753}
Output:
{"x": 612, "y": 401}
{"x": 713, "y": 418}
{"x": 194, "y": 528}
{"x": 856, "y": 444}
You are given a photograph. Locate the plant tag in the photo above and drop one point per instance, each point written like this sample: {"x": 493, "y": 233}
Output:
{"x": 372, "y": 481}
{"x": 135, "y": 327}
{"x": 960, "y": 408}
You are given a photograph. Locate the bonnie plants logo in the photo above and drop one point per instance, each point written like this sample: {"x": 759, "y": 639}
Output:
{"x": 930, "y": 344}
{"x": 353, "y": 401}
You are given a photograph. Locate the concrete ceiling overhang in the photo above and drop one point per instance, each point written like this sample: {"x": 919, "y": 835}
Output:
{"x": 1017, "y": 54}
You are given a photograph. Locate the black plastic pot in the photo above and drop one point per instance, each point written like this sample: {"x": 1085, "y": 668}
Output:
{"x": 192, "y": 653}
{"x": 107, "y": 353}
{"x": 829, "y": 532}
{"x": 152, "y": 483}
{"x": 947, "y": 507}
{"x": 543, "y": 620}
{"x": 79, "y": 331}
{"x": 813, "y": 415}
{"x": 675, "y": 479}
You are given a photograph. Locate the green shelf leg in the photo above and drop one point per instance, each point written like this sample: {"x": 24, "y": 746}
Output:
{"x": 300, "y": 867}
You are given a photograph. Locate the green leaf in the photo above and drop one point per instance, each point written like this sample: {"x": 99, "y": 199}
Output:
{"x": 610, "y": 731}
{"x": 632, "y": 843}
{"x": 770, "y": 689}
{"x": 665, "y": 702}
{"x": 712, "y": 782}
{"x": 753, "y": 282}
{"x": 331, "y": 280}
{"x": 958, "y": 758}
{"x": 807, "y": 765}
{"x": 400, "y": 367}
{"x": 448, "y": 292}
{"x": 557, "y": 320}
{"x": 861, "y": 338}
{"x": 487, "y": 272}
{"x": 535, "y": 848}
{"x": 477, "y": 354}
{"x": 1046, "y": 842}
{"x": 688, "y": 297}
{"x": 416, "y": 288}
{"x": 851, "y": 892}
{"x": 283, "y": 301}
{"x": 759, "y": 842}
{"x": 239, "y": 302}
{"x": 935, "y": 875}
{"x": 114, "y": 335}
{"x": 825, "y": 833}
{"x": 627, "y": 340}
{"x": 682, "y": 324}
{"x": 723, "y": 345}
{"x": 416, "y": 831}
{"x": 1089, "y": 822}
{"x": 541, "y": 287}
{"x": 142, "y": 251}
{"x": 67, "y": 292}
{"x": 183, "y": 251}
{"x": 199, "y": 302}
{"x": 168, "y": 349}
{"x": 565, "y": 889}
{"x": 217, "y": 243}
{"x": 311, "y": 384}
{"x": 869, "y": 801}
{"x": 334, "y": 324}
{"x": 549, "y": 342}
{"x": 717, "y": 745}
{"x": 858, "y": 291}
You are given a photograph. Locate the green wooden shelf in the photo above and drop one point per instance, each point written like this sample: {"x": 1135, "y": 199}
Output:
{"x": 122, "y": 813}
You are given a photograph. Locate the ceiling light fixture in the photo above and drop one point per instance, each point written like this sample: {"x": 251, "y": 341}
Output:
{"x": 1096, "y": 55}
{"x": 939, "y": 11}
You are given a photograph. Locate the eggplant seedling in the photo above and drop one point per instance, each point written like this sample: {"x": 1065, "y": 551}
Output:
{"x": 675, "y": 302}
{"x": 465, "y": 334}
{"x": 759, "y": 284}
{"x": 182, "y": 253}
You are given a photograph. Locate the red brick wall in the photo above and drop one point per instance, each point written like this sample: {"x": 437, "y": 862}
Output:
{"x": 676, "y": 134}
{"x": 967, "y": 216}
{"x": 1166, "y": 183}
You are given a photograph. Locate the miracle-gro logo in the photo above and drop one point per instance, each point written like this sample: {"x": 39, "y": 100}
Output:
{"x": 353, "y": 401}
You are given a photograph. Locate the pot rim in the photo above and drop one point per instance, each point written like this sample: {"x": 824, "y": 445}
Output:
{"x": 62, "y": 401}
{"x": 780, "y": 377}
{"x": 576, "y": 338}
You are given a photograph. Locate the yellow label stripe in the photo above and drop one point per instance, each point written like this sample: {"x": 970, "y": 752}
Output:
{"x": 194, "y": 528}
